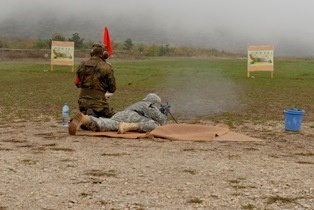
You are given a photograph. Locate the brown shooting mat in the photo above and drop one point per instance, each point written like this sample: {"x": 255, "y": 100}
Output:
{"x": 181, "y": 132}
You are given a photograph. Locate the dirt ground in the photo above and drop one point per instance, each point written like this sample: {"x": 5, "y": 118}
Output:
{"x": 42, "y": 167}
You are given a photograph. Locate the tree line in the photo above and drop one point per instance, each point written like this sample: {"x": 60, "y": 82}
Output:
{"x": 127, "y": 47}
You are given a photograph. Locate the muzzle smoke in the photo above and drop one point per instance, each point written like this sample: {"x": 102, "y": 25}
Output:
{"x": 201, "y": 94}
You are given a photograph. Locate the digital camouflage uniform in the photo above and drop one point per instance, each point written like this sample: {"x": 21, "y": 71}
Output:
{"x": 96, "y": 78}
{"x": 145, "y": 113}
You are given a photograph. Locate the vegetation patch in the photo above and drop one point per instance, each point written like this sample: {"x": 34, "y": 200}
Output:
{"x": 14, "y": 141}
{"x": 100, "y": 173}
{"x": 50, "y": 145}
{"x": 5, "y": 149}
{"x": 190, "y": 171}
{"x": 189, "y": 150}
{"x": 84, "y": 195}
{"x": 195, "y": 200}
{"x": 249, "y": 206}
{"x": 25, "y": 145}
{"x": 305, "y": 154}
{"x": 251, "y": 148}
{"x": 277, "y": 198}
{"x": 305, "y": 162}
{"x": 115, "y": 154}
{"x": 236, "y": 184}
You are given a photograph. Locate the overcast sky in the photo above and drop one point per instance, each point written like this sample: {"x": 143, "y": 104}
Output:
{"x": 222, "y": 24}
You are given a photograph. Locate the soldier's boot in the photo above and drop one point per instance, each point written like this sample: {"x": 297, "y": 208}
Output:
{"x": 124, "y": 127}
{"x": 78, "y": 120}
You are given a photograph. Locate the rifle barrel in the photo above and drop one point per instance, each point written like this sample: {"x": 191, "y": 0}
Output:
{"x": 173, "y": 117}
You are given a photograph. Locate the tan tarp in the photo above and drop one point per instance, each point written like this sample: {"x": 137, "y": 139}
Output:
{"x": 181, "y": 132}
{"x": 189, "y": 132}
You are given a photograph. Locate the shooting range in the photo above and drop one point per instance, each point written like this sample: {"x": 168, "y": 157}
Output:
{"x": 228, "y": 131}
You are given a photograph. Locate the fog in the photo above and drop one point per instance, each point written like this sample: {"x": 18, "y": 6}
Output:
{"x": 222, "y": 24}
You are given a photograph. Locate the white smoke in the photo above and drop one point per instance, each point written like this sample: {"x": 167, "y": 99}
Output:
{"x": 198, "y": 94}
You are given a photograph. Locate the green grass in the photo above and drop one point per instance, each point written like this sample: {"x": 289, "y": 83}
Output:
{"x": 215, "y": 89}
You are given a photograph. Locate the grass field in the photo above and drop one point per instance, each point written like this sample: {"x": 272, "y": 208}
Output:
{"x": 214, "y": 89}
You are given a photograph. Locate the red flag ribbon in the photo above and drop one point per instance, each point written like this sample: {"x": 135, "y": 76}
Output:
{"x": 107, "y": 41}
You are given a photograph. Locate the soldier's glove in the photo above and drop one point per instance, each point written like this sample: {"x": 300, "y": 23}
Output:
{"x": 108, "y": 95}
{"x": 77, "y": 82}
{"x": 165, "y": 109}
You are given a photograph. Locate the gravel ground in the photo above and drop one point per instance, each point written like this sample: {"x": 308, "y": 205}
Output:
{"x": 42, "y": 167}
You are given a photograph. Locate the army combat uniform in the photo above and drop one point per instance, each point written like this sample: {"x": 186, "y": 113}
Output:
{"x": 145, "y": 113}
{"x": 96, "y": 78}
{"x": 143, "y": 116}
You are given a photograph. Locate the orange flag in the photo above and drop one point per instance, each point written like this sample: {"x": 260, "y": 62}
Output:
{"x": 107, "y": 41}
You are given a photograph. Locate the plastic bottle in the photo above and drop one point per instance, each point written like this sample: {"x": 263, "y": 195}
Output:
{"x": 65, "y": 115}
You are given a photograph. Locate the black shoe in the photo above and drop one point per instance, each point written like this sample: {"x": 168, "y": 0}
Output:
{"x": 91, "y": 112}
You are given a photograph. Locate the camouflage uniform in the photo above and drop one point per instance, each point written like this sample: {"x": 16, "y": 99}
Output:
{"x": 145, "y": 113}
{"x": 96, "y": 78}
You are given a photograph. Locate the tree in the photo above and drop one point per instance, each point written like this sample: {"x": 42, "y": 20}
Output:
{"x": 164, "y": 50}
{"x": 151, "y": 50}
{"x": 128, "y": 45}
{"x": 141, "y": 49}
{"x": 78, "y": 42}
{"x": 57, "y": 37}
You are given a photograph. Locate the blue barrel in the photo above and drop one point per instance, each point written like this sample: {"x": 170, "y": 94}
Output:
{"x": 293, "y": 119}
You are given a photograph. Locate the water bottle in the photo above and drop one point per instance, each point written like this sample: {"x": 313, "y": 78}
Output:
{"x": 65, "y": 115}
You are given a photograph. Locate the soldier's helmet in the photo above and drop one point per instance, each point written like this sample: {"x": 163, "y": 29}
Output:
{"x": 153, "y": 98}
{"x": 97, "y": 50}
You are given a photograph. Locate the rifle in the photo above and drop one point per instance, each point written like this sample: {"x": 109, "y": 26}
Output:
{"x": 165, "y": 109}
{"x": 173, "y": 117}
